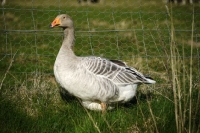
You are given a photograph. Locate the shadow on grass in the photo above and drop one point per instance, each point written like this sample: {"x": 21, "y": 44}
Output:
{"x": 12, "y": 119}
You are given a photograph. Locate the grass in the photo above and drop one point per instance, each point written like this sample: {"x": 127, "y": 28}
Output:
{"x": 159, "y": 41}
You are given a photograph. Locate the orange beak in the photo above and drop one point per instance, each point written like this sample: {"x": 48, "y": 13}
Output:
{"x": 56, "y": 22}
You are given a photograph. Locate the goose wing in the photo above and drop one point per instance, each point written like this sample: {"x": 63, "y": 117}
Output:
{"x": 114, "y": 70}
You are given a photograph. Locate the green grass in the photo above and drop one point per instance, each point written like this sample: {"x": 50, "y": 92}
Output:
{"x": 133, "y": 31}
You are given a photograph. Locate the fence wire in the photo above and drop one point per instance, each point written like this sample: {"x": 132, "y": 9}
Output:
{"x": 135, "y": 31}
{"x": 160, "y": 38}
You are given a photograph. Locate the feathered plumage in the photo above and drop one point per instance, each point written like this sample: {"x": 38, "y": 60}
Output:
{"x": 96, "y": 81}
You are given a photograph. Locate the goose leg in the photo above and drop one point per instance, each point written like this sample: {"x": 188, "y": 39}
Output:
{"x": 103, "y": 107}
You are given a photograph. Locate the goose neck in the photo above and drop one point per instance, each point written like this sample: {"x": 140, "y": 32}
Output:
{"x": 68, "y": 37}
{"x": 68, "y": 43}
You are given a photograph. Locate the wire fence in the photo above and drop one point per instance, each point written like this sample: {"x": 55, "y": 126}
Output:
{"x": 160, "y": 38}
{"x": 134, "y": 31}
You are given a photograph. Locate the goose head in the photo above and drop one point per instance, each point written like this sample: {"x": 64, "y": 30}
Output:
{"x": 63, "y": 21}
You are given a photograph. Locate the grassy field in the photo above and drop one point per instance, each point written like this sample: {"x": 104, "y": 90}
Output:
{"x": 160, "y": 40}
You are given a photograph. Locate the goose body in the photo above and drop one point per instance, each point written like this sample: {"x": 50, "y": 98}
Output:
{"x": 96, "y": 81}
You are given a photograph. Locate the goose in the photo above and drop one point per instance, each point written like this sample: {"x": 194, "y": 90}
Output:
{"x": 98, "y": 82}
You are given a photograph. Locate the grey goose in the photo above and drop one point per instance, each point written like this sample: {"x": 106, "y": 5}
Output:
{"x": 97, "y": 81}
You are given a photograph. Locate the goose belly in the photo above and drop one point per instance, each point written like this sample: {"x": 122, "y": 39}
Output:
{"x": 85, "y": 85}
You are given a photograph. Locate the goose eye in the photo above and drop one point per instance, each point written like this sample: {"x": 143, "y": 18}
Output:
{"x": 64, "y": 17}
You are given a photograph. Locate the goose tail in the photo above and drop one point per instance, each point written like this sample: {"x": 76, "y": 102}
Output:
{"x": 149, "y": 80}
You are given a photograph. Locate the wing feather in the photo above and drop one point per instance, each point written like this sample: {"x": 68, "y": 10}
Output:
{"x": 114, "y": 70}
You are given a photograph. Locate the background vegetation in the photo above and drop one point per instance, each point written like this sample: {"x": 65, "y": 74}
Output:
{"x": 159, "y": 40}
